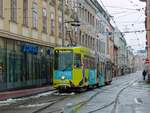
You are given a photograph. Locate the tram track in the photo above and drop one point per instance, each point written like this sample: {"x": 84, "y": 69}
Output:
{"x": 23, "y": 101}
{"x": 37, "y": 105}
{"x": 52, "y": 100}
{"x": 49, "y": 105}
{"x": 118, "y": 95}
{"x": 116, "y": 100}
{"x": 78, "y": 106}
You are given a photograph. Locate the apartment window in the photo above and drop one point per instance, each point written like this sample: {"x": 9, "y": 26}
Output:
{"x": 25, "y": 12}
{"x": 85, "y": 15}
{"x": 86, "y": 40}
{"x": 14, "y": 10}
{"x": 60, "y": 25}
{"x": 1, "y": 8}
{"x": 44, "y": 16}
{"x": 88, "y": 17}
{"x": 80, "y": 10}
{"x": 83, "y": 39}
{"x": 93, "y": 42}
{"x": 82, "y": 13}
{"x": 52, "y": 24}
{"x": 97, "y": 24}
{"x": 35, "y": 14}
{"x": 93, "y": 21}
{"x": 97, "y": 44}
{"x": 52, "y": 2}
{"x": 67, "y": 2}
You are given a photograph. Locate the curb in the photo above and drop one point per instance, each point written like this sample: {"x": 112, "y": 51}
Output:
{"x": 23, "y": 93}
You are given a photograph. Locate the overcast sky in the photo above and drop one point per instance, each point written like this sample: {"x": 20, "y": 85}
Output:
{"x": 129, "y": 15}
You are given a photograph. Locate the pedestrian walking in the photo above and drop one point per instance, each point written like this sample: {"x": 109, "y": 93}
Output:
{"x": 144, "y": 73}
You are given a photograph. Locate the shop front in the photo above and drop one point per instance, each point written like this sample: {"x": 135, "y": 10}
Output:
{"x": 24, "y": 65}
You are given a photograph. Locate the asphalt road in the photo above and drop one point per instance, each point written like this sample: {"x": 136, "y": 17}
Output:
{"x": 126, "y": 94}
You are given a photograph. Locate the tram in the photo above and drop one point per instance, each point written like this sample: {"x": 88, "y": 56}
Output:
{"x": 77, "y": 68}
{"x": 74, "y": 68}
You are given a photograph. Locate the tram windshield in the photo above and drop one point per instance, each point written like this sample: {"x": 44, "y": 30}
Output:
{"x": 63, "y": 60}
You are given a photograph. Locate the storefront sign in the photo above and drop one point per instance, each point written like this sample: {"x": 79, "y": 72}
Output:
{"x": 29, "y": 49}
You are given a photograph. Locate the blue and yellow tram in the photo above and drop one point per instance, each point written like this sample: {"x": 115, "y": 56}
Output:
{"x": 77, "y": 68}
{"x": 74, "y": 68}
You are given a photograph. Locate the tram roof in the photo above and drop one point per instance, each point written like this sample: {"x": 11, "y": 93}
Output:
{"x": 77, "y": 49}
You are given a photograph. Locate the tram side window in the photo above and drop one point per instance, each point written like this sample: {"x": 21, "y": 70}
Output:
{"x": 77, "y": 60}
{"x": 93, "y": 64}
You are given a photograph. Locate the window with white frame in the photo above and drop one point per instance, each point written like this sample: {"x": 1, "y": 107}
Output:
{"x": 83, "y": 39}
{"x": 44, "y": 16}
{"x": 86, "y": 44}
{"x": 60, "y": 25}
{"x": 25, "y": 12}
{"x": 1, "y": 8}
{"x": 14, "y": 10}
{"x": 52, "y": 24}
{"x": 35, "y": 14}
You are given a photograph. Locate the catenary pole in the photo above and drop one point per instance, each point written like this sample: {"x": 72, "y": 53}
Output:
{"x": 63, "y": 38}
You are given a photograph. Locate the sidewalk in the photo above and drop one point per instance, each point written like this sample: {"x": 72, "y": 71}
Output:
{"x": 24, "y": 92}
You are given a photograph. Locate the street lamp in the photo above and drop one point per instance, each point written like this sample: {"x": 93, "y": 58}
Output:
{"x": 74, "y": 23}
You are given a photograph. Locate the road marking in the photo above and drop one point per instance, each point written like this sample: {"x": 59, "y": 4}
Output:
{"x": 138, "y": 101}
{"x": 34, "y": 105}
{"x": 69, "y": 104}
{"x": 134, "y": 84}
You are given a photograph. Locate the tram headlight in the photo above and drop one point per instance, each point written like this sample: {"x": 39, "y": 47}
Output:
{"x": 63, "y": 77}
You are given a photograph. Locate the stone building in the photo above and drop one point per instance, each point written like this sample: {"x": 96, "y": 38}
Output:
{"x": 28, "y": 31}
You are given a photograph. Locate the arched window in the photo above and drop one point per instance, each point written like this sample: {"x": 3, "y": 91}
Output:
{"x": 35, "y": 14}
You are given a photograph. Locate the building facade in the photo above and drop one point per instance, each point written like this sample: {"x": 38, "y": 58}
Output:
{"x": 27, "y": 37}
{"x": 147, "y": 27}
{"x": 130, "y": 60}
{"x": 30, "y": 29}
{"x": 122, "y": 53}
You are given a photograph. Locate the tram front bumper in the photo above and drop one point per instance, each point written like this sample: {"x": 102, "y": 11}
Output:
{"x": 61, "y": 83}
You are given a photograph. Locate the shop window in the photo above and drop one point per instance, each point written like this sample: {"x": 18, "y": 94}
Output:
{"x": 20, "y": 68}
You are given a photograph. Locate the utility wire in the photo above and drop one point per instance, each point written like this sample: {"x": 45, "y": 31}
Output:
{"x": 122, "y": 12}
{"x": 125, "y": 15}
{"x": 136, "y": 31}
{"x": 116, "y": 7}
